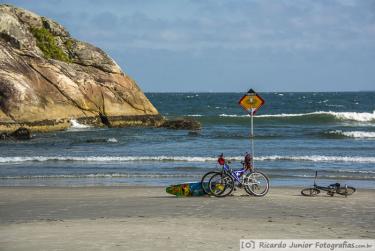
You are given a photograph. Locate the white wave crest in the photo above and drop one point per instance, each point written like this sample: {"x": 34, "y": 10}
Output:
{"x": 354, "y": 171}
{"x": 349, "y": 116}
{"x": 313, "y": 158}
{"x": 354, "y": 116}
{"x": 112, "y": 140}
{"x": 75, "y": 125}
{"x": 354, "y": 134}
{"x": 106, "y": 158}
{"x": 233, "y": 115}
{"x": 104, "y": 175}
{"x": 319, "y": 158}
{"x": 194, "y": 115}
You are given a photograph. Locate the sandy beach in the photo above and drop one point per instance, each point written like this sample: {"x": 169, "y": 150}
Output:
{"x": 146, "y": 218}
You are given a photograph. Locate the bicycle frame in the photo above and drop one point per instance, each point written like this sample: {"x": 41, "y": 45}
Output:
{"x": 235, "y": 174}
{"x": 246, "y": 177}
{"x": 330, "y": 188}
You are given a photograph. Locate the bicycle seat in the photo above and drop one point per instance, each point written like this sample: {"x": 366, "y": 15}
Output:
{"x": 335, "y": 185}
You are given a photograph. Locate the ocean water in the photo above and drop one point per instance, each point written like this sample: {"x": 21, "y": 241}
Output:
{"x": 295, "y": 134}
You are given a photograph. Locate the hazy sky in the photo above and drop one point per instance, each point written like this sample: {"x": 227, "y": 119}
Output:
{"x": 228, "y": 45}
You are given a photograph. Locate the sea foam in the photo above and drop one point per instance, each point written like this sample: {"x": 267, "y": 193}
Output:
{"x": 103, "y": 175}
{"x": 353, "y": 116}
{"x": 344, "y": 116}
{"x": 313, "y": 158}
{"x": 112, "y": 140}
{"x": 75, "y": 125}
{"x": 353, "y": 134}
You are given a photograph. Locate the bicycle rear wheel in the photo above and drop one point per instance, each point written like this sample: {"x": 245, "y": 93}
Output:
{"x": 257, "y": 184}
{"x": 205, "y": 180}
{"x": 221, "y": 185}
{"x": 346, "y": 190}
{"x": 310, "y": 192}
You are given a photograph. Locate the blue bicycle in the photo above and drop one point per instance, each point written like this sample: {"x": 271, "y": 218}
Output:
{"x": 223, "y": 183}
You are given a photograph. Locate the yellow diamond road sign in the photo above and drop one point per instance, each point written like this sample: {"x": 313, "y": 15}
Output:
{"x": 251, "y": 101}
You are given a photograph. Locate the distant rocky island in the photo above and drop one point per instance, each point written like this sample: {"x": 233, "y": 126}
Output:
{"x": 48, "y": 78}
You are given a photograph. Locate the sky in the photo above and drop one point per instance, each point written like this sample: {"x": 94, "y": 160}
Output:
{"x": 228, "y": 45}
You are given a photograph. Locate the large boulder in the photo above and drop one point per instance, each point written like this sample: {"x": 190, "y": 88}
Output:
{"x": 48, "y": 78}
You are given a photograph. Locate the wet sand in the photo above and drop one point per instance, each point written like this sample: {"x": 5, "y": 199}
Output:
{"x": 146, "y": 218}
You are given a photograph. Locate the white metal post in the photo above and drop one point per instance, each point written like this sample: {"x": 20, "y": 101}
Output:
{"x": 252, "y": 137}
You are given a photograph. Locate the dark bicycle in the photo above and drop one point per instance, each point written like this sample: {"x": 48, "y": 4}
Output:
{"x": 331, "y": 189}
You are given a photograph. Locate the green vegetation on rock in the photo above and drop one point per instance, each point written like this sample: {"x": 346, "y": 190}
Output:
{"x": 69, "y": 44}
{"x": 47, "y": 43}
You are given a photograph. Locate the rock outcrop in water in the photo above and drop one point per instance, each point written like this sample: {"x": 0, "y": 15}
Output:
{"x": 182, "y": 124}
{"x": 19, "y": 134}
{"x": 48, "y": 78}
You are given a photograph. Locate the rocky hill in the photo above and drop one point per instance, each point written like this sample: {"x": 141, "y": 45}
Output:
{"x": 48, "y": 78}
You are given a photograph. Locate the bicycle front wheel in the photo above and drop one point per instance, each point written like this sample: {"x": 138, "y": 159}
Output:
{"x": 346, "y": 190}
{"x": 206, "y": 179}
{"x": 257, "y": 184}
{"x": 221, "y": 185}
{"x": 310, "y": 191}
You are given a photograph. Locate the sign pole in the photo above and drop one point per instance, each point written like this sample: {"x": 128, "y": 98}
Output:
{"x": 252, "y": 137}
{"x": 251, "y": 102}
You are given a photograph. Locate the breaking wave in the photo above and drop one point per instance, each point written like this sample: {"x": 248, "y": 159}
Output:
{"x": 312, "y": 158}
{"x": 112, "y": 140}
{"x": 273, "y": 173}
{"x": 233, "y": 115}
{"x": 194, "y": 115}
{"x": 353, "y": 134}
{"x": 104, "y": 175}
{"x": 318, "y": 116}
{"x": 75, "y": 125}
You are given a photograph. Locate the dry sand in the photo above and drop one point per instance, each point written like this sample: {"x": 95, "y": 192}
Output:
{"x": 146, "y": 218}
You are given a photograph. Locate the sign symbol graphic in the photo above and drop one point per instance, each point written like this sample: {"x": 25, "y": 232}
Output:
{"x": 251, "y": 102}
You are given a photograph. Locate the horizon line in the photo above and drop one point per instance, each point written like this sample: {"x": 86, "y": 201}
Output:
{"x": 257, "y": 91}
